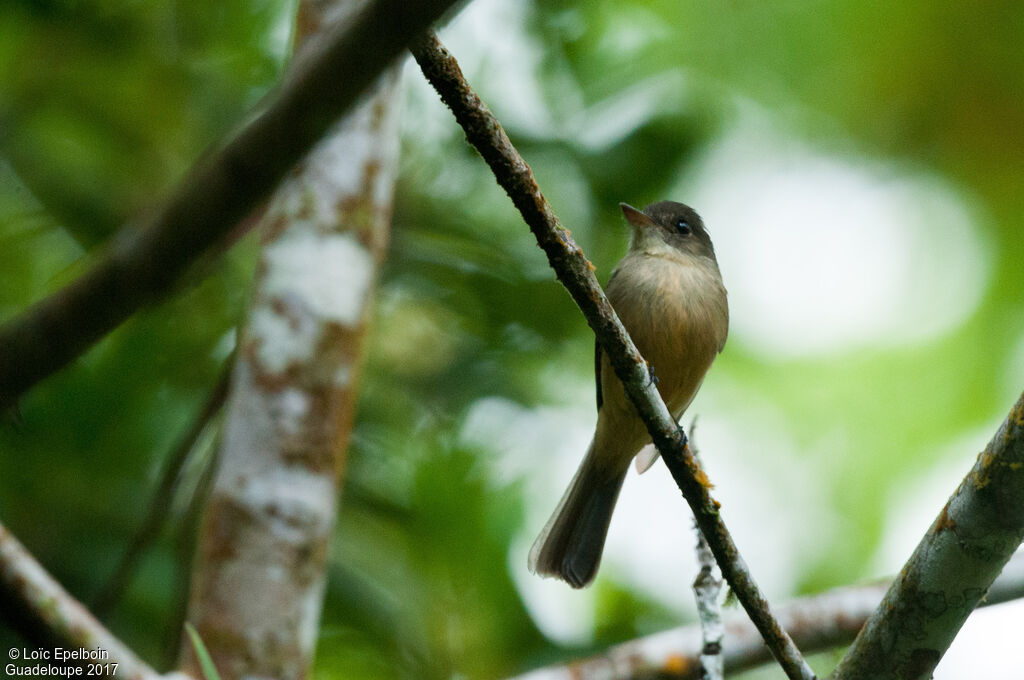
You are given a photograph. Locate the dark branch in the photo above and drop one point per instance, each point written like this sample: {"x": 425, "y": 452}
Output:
{"x": 576, "y": 273}
{"x": 144, "y": 264}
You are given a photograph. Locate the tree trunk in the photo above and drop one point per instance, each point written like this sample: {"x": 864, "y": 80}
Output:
{"x": 259, "y": 580}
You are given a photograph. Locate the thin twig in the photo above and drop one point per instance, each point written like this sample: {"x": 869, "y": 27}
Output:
{"x": 144, "y": 264}
{"x": 576, "y": 273}
{"x": 38, "y": 607}
{"x": 707, "y": 587}
{"x": 818, "y": 623}
{"x": 160, "y": 504}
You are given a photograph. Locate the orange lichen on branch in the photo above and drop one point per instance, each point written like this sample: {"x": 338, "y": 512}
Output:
{"x": 983, "y": 472}
{"x": 1017, "y": 415}
{"x": 678, "y": 666}
{"x": 944, "y": 521}
{"x": 703, "y": 479}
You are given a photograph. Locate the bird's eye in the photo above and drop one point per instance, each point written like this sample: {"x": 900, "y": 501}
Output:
{"x": 683, "y": 227}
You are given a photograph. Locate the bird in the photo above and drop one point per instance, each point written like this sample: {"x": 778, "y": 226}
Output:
{"x": 667, "y": 290}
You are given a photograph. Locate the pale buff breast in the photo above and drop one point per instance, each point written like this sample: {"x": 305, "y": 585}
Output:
{"x": 676, "y": 311}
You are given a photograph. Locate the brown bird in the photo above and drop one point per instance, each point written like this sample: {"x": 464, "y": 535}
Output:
{"x": 668, "y": 292}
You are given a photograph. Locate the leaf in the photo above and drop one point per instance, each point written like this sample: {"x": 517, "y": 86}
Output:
{"x": 205, "y": 662}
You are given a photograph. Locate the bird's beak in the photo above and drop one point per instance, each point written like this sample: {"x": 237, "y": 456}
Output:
{"x": 637, "y": 219}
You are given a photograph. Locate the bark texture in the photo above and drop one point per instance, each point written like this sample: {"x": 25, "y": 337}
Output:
{"x": 260, "y": 577}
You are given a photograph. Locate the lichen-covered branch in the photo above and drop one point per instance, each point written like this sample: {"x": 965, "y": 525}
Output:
{"x": 817, "y": 624}
{"x": 576, "y": 273}
{"x": 144, "y": 263}
{"x": 706, "y": 588}
{"x": 38, "y": 607}
{"x": 951, "y": 569}
{"x": 260, "y": 573}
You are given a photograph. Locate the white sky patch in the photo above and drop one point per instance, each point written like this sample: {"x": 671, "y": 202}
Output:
{"x": 988, "y": 646}
{"x": 823, "y": 254}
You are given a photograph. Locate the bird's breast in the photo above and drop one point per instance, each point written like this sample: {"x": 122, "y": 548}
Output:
{"x": 676, "y": 311}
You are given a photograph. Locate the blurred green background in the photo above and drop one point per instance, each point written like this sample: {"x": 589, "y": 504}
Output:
{"x": 859, "y": 165}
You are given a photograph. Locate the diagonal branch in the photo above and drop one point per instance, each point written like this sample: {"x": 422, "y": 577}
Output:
{"x": 144, "y": 264}
{"x": 38, "y": 607}
{"x": 951, "y": 569}
{"x": 576, "y": 273}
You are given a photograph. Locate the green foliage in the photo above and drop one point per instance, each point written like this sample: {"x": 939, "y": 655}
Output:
{"x": 105, "y": 103}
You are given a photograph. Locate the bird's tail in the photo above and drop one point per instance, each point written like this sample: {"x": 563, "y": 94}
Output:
{"x": 569, "y": 547}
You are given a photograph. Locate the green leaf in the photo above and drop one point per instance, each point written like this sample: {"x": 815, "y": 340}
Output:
{"x": 205, "y": 662}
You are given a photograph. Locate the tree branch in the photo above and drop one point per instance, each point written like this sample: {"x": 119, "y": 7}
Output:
{"x": 576, "y": 273}
{"x": 38, "y": 607}
{"x": 143, "y": 264}
{"x": 707, "y": 588}
{"x": 818, "y": 623}
{"x": 953, "y": 566}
